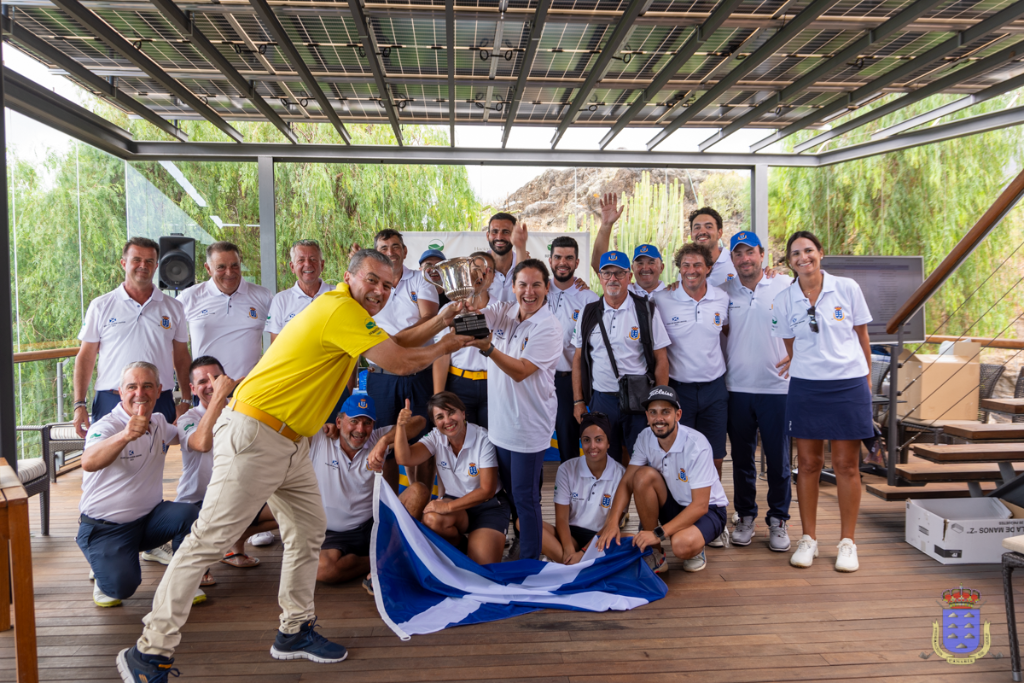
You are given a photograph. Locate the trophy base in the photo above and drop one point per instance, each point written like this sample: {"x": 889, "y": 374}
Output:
{"x": 472, "y": 325}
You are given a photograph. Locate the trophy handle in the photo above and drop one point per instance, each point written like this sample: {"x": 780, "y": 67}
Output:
{"x": 429, "y": 272}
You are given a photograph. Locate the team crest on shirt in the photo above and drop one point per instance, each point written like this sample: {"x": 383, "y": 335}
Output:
{"x": 730, "y": 277}
{"x": 634, "y": 333}
{"x": 473, "y": 471}
{"x": 838, "y": 313}
{"x": 165, "y": 322}
{"x": 412, "y": 295}
{"x": 718, "y": 319}
{"x": 682, "y": 475}
{"x": 443, "y": 464}
{"x": 253, "y": 314}
{"x": 189, "y": 426}
{"x": 606, "y": 500}
{"x": 523, "y": 346}
{"x": 575, "y": 315}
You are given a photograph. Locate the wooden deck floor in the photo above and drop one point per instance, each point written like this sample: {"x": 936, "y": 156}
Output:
{"x": 748, "y": 617}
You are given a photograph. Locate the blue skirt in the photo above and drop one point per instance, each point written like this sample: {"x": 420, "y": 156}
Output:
{"x": 835, "y": 409}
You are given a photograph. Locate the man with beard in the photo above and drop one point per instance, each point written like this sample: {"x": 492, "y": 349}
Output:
{"x": 647, "y": 263}
{"x": 508, "y": 246}
{"x": 672, "y": 480}
{"x": 307, "y": 264}
{"x": 566, "y": 302}
{"x": 636, "y": 345}
{"x": 345, "y": 468}
{"x": 706, "y": 229}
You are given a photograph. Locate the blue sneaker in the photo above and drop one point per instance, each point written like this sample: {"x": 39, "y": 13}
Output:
{"x": 307, "y": 644}
{"x": 136, "y": 667}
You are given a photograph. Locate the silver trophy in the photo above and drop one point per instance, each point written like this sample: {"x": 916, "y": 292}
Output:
{"x": 458, "y": 278}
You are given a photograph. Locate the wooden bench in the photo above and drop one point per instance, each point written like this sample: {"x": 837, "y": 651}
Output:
{"x": 970, "y": 452}
{"x": 1011, "y": 406}
{"x": 954, "y": 472}
{"x": 934, "y": 490}
{"x": 976, "y": 431}
{"x": 16, "y": 564}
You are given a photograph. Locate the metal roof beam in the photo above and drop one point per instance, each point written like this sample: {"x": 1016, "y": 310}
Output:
{"x": 699, "y": 36}
{"x": 276, "y": 29}
{"x": 620, "y": 35}
{"x": 373, "y": 55}
{"x": 802, "y": 84}
{"x": 449, "y": 29}
{"x": 187, "y": 28}
{"x": 745, "y": 66}
{"x": 102, "y": 30}
{"x": 972, "y": 70}
{"x": 536, "y": 29}
{"x": 499, "y": 32}
{"x": 982, "y": 28}
{"x": 102, "y": 88}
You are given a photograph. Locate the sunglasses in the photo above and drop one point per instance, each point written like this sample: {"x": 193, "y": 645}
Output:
{"x": 813, "y": 321}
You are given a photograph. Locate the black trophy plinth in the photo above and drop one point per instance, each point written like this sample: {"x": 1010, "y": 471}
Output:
{"x": 471, "y": 325}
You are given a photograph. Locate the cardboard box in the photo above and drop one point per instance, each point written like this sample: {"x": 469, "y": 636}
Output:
{"x": 963, "y": 530}
{"x": 940, "y": 386}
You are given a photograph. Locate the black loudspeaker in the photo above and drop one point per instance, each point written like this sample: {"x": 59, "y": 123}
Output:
{"x": 177, "y": 268}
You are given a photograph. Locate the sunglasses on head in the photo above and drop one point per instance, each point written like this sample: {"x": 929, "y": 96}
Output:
{"x": 813, "y": 320}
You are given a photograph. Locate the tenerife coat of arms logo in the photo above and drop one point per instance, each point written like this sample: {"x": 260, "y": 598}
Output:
{"x": 960, "y": 637}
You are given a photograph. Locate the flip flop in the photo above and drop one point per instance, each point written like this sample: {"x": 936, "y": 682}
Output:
{"x": 208, "y": 580}
{"x": 240, "y": 560}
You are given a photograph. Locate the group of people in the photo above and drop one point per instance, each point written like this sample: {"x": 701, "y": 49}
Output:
{"x": 642, "y": 385}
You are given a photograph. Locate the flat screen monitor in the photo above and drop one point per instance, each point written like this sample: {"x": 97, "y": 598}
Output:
{"x": 887, "y": 282}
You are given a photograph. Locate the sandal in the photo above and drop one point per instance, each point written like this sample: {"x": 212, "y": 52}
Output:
{"x": 240, "y": 560}
{"x": 208, "y": 580}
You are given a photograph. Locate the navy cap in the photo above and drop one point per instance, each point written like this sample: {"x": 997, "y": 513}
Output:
{"x": 646, "y": 250}
{"x": 614, "y": 258}
{"x": 429, "y": 253}
{"x": 746, "y": 237}
{"x": 359, "y": 405}
{"x": 661, "y": 393}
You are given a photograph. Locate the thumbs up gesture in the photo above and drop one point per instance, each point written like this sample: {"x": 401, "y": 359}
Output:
{"x": 404, "y": 415}
{"x": 138, "y": 424}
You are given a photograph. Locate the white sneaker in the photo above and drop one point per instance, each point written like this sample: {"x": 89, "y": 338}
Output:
{"x": 199, "y": 597}
{"x": 805, "y": 553}
{"x": 162, "y": 554}
{"x": 262, "y": 538}
{"x": 92, "y": 575}
{"x": 722, "y": 541}
{"x": 103, "y": 600}
{"x": 735, "y": 517}
{"x": 695, "y": 564}
{"x": 847, "y": 560}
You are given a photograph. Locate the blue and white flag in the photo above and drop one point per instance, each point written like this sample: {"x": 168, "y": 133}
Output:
{"x": 422, "y": 584}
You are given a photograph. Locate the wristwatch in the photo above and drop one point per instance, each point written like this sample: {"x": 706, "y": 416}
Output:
{"x": 185, "y": 401}
{"x": 488, "y": 352}
{"x": 80, "y": 404}
{"x": 660, "y": 533}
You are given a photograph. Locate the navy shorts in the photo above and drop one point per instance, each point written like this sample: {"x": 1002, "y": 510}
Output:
{"x": 711, "y": 525}
{"x": 490, "y": 514}
{"x": 352, "y": 542}
{"x": 834, "y": 409}
{"x": 581, "y": 536}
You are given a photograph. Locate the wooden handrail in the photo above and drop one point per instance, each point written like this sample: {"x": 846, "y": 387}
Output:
{"x": 45, "y": 354}
{"x": 987, "y": 342}
{"x": 989, "y": 220}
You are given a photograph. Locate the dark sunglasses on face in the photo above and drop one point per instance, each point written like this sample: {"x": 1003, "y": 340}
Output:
{"x": 813, "y": 321}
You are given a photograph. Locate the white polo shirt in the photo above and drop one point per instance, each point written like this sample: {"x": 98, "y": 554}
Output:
{"x": 695, "y": 328}
{"x": 589, "y": 498}
{"x": 834, "y": 352}
{"x": 751, "y": 351}
{"x": 227, "y": 327}
{"x": 288, "y": 304}
{"x": 346, "y": 486}
{"x": 131, "y": 486}
{"x": 402, "y": 310}
{"x": 524, "y": 418}
{"x": 624, "y": 335}
{"x": 466, "y": 358}
{"x": 688, "y": 465}
{"x": 567, "y": 306}
{"x": 722, "y": 270}
{"x": 196, "y": 466}
{"x": 129, "y": 332}
{"x": 641, "y": 292}
{"x": 501, "y": 288}
{"x": 460, "y": 473}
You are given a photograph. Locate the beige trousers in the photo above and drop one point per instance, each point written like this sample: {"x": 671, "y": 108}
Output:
{"x": 252, "y": 464}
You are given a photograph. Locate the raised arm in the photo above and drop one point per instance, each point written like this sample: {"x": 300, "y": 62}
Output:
{"x": 201, "y": 440}
{"x": 407, "y": 361}
{"x": 407, "y": 455}
{"x": 609, "y": 214}
{"x": 103, "y": 454}
{"x": 429, "y": 327}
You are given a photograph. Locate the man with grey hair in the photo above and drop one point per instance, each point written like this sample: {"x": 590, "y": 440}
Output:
{"x": 226, "y": 315}
{"x": 122, "y": 507}
{"x": 307, "y": 264}
{"x": 261, "y": 453}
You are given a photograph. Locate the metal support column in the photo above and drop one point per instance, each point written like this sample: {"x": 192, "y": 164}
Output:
{"x": 759, "y": 203}
{"x": 894, "y": 395}
{"x": 268, "y": 224}
{"x": 8, "y": 439}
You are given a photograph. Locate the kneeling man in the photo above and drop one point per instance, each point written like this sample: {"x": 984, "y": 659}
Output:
{"x": 344, "y": 468}
{"x": 673, "y": 480}
{"x": 122, "y": 507}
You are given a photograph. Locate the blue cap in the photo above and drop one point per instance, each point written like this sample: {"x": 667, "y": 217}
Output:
{"x": 614, "y": 258}
{"x": 746, "y": 237}
{"x": 646, "y": 250}
{"x": 429, "y": 253}
{"x": 359, "y": 405}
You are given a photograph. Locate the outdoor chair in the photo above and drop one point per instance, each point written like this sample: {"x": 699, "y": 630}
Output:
{"x": 34, "y": 474}
{"x": 990, "y": 374}
{"x": 1012, "y": 560}
{"x": 879, "y": 372}
{"x": 1018, "y": 392}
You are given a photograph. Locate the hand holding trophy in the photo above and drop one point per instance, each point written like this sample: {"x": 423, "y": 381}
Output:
{"x": 457, "y": 278}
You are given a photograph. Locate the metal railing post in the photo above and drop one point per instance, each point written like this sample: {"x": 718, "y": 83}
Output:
{"x": 60, "y": 390}
{"x": 894, "y": 394}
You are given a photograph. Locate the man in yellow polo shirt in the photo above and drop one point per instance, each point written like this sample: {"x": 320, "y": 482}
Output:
{"x": 261, "y": 453}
